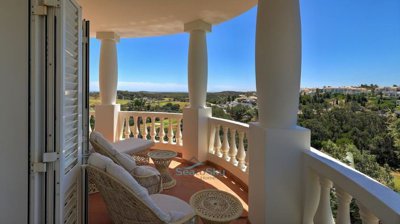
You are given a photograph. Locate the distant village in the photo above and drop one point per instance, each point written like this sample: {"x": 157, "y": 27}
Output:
{"x": 393, "y": 91}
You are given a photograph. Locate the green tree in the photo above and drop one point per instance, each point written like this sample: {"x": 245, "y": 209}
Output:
{"x": 363, "y": 161}
{"x": 220, "y": 113}
{"x": 242, "y": 113}
{"x": 138, "y": 104}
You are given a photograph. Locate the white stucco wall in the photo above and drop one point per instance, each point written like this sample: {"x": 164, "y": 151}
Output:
{"x": 14, "y": 111}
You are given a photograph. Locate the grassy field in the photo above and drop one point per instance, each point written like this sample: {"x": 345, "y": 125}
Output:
{"x": 396, "y": 181}
{"x": 96, "y": 101}
{"x": 162, "y": 103}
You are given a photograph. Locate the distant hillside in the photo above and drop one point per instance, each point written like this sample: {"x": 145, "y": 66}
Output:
{"x": 176, "y": 96}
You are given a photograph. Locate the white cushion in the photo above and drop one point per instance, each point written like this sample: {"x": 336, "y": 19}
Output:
{"x": 99, "y": 161}
{"x": 175, "y": 207}
{"x": 126, "y": 161}
{"x": 145, "y": 171}
{"x": 132, "y": 145}
{"x": 125, "y": 178}
{"x": 99, "y": 139}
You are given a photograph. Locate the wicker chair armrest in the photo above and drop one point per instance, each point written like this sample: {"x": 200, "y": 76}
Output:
{"x": 153, "y": 183}
{"x": 144, "y": 176}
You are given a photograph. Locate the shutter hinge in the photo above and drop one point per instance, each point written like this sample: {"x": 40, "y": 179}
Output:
{"x": 51, "y": 3}
{"x": 48, "y": 157}
{"x": 41, "y": 9}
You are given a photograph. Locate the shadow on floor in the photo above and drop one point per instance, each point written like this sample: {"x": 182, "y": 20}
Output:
{"x": 188, "y": 182}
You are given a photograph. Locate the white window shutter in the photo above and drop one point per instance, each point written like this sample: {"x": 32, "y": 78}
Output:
{"x": 69, "y": 105}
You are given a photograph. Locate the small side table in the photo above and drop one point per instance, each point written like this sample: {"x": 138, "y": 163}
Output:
{"x": 216, "y": 207}
{"x": 162, "y": 159}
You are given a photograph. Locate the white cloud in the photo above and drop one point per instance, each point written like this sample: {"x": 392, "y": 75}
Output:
{"x": 145, "y": 86}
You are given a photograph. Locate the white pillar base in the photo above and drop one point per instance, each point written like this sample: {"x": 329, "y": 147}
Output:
{"x": 107, "y": 120}
{"x": 276, "y": 173}
{"x": 195, "y": 133}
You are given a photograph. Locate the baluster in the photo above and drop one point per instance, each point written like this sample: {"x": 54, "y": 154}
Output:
{"x": 218, "y": 144}
{"x": 179, "y": 132}
{"x": 135, "y": 130}
{"x": 324, "y": 211}
{"x": 153, "y": 132}
{"x": 225, "y": 144}
{"x": 161, "y": 133}
{"x": 366, "y": 215}
{"x": 94, "y": 124}
{"x": 233, "y": 149}
{"x": 241, "y": 156}
{"x": 144, "y": 132}
{"x": 247, "y": 154}
{"x": 120, "y": 126}
{"x": 343, "y": 212}
{"x": 127, "y": 132}
{"x": 311, "y": 195}
{"x": 212, "y": 139}
{"x": 170, "y": 131}
{"x": 90, "y": 126}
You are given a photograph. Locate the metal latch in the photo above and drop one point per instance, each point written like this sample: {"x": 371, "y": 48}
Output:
{"x": 48, "y": 157}
{"x": 41, "y": 10}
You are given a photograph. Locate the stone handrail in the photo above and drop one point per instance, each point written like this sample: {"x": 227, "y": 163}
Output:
{"x": 165, "y": 129}
{"x": 228, "y": 146}
{"x": 377, "y": 203}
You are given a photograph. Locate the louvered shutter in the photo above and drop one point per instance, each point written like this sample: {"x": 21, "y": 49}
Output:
{"x": 69, "y": 123}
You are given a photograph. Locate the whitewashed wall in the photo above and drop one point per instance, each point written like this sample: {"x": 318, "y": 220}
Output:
{"x": 14, "y": 111}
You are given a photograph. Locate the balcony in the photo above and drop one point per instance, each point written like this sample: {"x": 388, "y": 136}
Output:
{"x": 269, "y": 164}
{"x": 228, "y": 155}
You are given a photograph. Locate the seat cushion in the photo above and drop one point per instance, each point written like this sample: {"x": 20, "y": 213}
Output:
{"x": 126, "y": 179}
{"x": 99, "y": 161}
{"x": 98, "y": 138}
{"x": 144, "y": 171}
{"x": 126, "y": 161}
{"x": 175, "y": 207}
{"x": 123, "y": 159}
{"x": 132, "y": 145}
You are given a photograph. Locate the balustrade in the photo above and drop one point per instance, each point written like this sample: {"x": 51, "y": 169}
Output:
{"x": 151, "y": 126}
{"x": 376, "y": 202}
{"x": 228, "y": 144}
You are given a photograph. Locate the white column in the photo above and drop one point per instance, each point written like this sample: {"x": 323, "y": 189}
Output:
{"x": 108, "y": 67}
{"x": 276, "y": 143}
{"x": 107, "y": 112}
{"x": 195, "y": 136}
{"x": 198, "y": 62}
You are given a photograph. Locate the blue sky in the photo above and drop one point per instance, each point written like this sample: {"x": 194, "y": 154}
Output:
{"x": 344, "y": 43}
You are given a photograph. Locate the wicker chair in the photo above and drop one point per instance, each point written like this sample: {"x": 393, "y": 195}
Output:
{"x": 136, "y": 147}
{"x": 122, "y": 203}
{"x": 153, "y": 183}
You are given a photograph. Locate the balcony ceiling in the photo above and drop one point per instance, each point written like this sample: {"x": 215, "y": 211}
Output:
{"x": 141, "y": 18}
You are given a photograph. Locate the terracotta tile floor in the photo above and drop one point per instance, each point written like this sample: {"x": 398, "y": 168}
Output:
{"x": 186, "y": 186}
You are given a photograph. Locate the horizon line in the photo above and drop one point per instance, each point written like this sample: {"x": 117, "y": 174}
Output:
{"x": 219, "y": 91}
